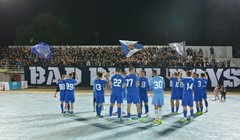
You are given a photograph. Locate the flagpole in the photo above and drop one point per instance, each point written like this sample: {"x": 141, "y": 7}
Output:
{"x": 32, "y": 41}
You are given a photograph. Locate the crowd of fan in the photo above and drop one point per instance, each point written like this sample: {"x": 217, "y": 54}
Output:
{"x": 108, "y": 56}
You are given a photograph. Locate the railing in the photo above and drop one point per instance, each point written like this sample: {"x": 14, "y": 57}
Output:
{"x": 12, "y": 67}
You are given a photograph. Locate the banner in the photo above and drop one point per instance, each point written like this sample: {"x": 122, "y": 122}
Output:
{"x": 15, "y": 85}
{"x": 4, "y": 86}
{"x": 230, "y": 77}
{"x": 24, "y": 84}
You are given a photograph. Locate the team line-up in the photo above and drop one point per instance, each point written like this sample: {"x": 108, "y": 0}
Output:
{"x": 134, "y": 88}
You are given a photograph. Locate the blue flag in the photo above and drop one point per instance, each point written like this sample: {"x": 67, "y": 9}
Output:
{"x": 130, "y": 47}
{"x": 43, "y": 50}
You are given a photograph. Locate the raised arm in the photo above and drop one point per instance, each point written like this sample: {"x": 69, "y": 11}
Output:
{"x": 206, "y": 76}
{"x": 167, "y": 75}
{"x": 76, "y": 76}
{"x": 179, "y": 76}
{"x": 107, "y": 78}
{"x": 109, "y": 82}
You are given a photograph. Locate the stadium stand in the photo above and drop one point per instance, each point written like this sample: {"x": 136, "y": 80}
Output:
{"x": 153, "y": 56}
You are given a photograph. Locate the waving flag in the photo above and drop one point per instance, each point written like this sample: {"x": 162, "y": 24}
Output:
{"x": 130, "y": 47}
{"x": 179, "y": 47}
{"x": 43, "y": 50}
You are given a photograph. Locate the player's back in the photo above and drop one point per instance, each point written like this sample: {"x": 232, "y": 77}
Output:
{"x": 187, "y": 86}
{"x": 117, "y": 83}
{"x": 204, "y": 83}
{"x": 131, "y": 83}
{"x": 197, "y": 85}
{"x": 143, "y": 84}
{"x": 70, "y": 85}
{"x": 99, "y": 85}
{"x": 62, "y": 85}
{"x": 157, "y": 84}
{"x": 175, "y": 83}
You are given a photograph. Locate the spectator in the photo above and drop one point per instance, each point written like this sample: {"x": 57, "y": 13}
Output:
{"x": 211, "y": 52}
{"x": 228, "y": 63}
{"x": 88, "y": 63}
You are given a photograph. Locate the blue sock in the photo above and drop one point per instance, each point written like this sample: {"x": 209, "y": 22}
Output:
{"x": 177, "y": 108}
{"x": 68, "y": 106}
{"x": 191, "y": 112}
{"x": 110, "y": 111}
{"x": 141, "y": 107}
{"x": 61, "y": 105}
{"x": 206, "y": 103}
{"x": 201, "y": 109}
{"x": 139, "y": 115}
{"x": 172, "y": 109}
{"x": 119, "y": 112}
{"x": 129, "y": 115}
{"x": 100, "y": 110}
{"x": 97, "y": 109}
{"x": 197, "y": 109}
{"x": 185, "y": 113}
{"x": 146, "y": 109}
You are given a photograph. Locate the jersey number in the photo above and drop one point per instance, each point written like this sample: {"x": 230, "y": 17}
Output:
{"x": 117, "y": 82}
{"x": 129, "y": 82}
{"x": 177, "y": 84}
{"x": 157, "y": 84}
{"x": 199, "y": 84}
{"x": 143, "y": 84}
{"x": 181, "y": 84}
{"x": 62, "y": 86}
{"x": 98, "y": 87}
{"x": 69, "y": 86}
{"x": 189, "y": 87}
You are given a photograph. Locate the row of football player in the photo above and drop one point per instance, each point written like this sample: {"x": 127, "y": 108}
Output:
{"x": 136, "y": 89}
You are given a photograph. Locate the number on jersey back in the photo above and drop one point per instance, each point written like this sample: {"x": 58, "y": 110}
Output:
{"x": 117, "y": 83}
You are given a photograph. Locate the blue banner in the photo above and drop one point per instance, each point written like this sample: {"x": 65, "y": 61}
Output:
{"x": 43, "y": 50}
{"x": 15, "y": 85}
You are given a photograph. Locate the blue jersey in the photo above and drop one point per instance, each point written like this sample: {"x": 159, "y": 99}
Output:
{"x": 144, "y": 85}
{"x": 131, "y": 83}
{"x": 180, "y": 86}
{"x": 197, "y": 85}
{"x": 187, "y": 86}
{"x": 70, "y": 85}
{"x": 204, "y": 83}
{"x": 117, "y": 83}
{"x": 157, "y": 84}
{"x": 99, "y": 85}
{"x": 62, "y": 85}
{"x": 175, "y": 83}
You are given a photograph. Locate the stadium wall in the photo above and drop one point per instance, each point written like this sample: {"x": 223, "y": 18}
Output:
{"x": 48, "y": 76}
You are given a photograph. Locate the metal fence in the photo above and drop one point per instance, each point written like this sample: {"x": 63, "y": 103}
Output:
{"x": 12, "y": 67}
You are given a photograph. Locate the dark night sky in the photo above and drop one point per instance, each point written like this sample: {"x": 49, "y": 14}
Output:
{"x": 147, "y": 21}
